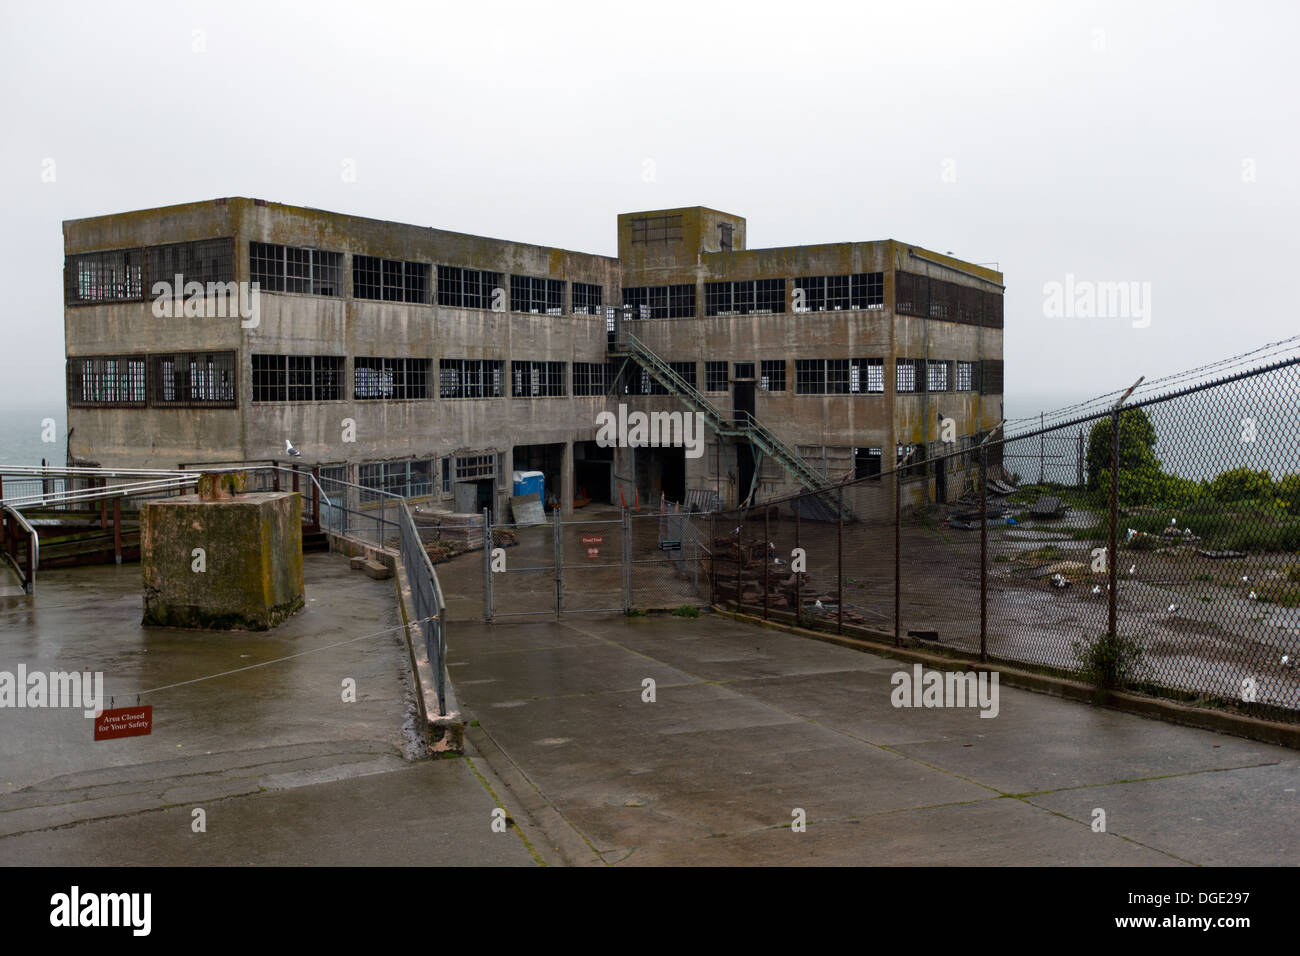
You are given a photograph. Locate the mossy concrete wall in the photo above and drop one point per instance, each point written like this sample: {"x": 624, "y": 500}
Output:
{"x": 248, "y": 574}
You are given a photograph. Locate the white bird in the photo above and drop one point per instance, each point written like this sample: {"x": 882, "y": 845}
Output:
{"x": 1245, "y": 578}
{"x": 1288, "y": 660}
{"x": 1254, "y": 596}
{"x": 1096, "y": 589}
{"x": 1059, "y": 582}
{"x": 290, "y": 450}
{"x": 1132, "y": 569}
{"x": 1173, "y": 608}
{"x": 1173, "y": 521}
{"x": 818, "y": 605}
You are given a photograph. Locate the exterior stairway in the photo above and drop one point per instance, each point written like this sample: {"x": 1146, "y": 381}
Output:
{"x": 741, "y": 426}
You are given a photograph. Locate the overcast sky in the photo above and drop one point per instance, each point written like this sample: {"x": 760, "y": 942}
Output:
{"x": 1115, "y": 142}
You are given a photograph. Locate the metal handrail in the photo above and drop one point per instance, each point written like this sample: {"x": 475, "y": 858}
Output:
{"x": 775, "y": 446}
{"x": 30, "y": 584}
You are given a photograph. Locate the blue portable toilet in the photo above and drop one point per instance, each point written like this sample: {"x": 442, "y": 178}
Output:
{"x": 530, "y": 482}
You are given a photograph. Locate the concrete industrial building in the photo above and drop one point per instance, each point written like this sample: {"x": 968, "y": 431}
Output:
{"x": 435, "y": 363}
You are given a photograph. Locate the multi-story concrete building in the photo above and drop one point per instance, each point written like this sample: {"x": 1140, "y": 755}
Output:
{"x": 435, "y": 363}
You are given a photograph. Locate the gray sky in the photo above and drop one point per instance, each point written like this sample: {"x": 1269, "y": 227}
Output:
{"x": 1154, "y": 143}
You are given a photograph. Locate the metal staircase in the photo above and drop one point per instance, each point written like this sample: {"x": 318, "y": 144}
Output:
{"x": 739, "y": 426}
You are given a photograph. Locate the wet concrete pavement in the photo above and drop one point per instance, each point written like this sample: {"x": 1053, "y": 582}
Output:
{"x": 750, "y": 724}
{"x": 284, "y": 769}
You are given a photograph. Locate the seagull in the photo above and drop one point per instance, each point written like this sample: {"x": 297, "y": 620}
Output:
{"x": 1096, "y": 589}
{"x": 1132, "y": 569}
{"x": 818, "y": 605}
{"x": 1245, "y": 578}
{"x": 1172, "y": 522}
{"x": 1288, "y": 660}
{"x": 290, "y": 450}
{"x": 1173, "y": 608}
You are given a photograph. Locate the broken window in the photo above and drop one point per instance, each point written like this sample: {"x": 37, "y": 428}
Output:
{"x": 661, "y": 302}
{"x": 202, "y": 261}
{"x": 192, "y": 379}
{"x": 725, "y": 230}
{"x": 468, "y": 288}
{"x": 471, "y": 467}
{"x": 773, "y": 375}
{"x": 279, "y": 268}
{"x": 867, "y": 375}
{"x": 538, "y": 379}
{"x": 115, "y": 276}
{"x": 715, "y": 376}
{"x": 117, "y": 380}
{"x": 297, "y": 378}
{"x": 907, "y": 379}
{"x": 938, "y": 375}
{"x": 592, "y": 378}
{"x": 744, "y": 297}
{"x": 536, "y": 295}
{"x": 390, "y": 280}
{"x": 587, "y": 298}
{"x": 810, "y": 376}
{"x": 965, "y": 376}
{"x": 397, "y": 379}
{"x": 469, "y": 378}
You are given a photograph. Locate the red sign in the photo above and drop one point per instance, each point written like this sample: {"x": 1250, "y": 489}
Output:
{"x": 593, "y": 539}
{"x": 124, "y": 722}
{"x": 593, "y": 552}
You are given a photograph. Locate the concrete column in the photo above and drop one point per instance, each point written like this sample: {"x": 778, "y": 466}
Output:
{"x": 507, "y": 482}
{"x": 566, "y": 481}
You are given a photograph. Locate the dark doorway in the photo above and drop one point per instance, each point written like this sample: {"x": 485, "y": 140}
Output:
{"x": 672, "y": 480}
{"x": 743, "y": 400}
{"x": 485, "y": 493}
{"x": 940, "y": 481}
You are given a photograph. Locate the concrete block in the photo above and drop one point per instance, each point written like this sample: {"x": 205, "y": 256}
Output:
{"x": 233, "y": 563}
{"x": 377, "y": 571}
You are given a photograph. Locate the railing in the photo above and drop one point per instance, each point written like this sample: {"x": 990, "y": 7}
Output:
{"x": 26, "y": 561}
{"x": 426, "y": 595}
{"x": 740, "y": 422}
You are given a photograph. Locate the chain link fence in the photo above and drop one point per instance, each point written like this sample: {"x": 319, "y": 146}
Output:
{"x": 1195, "y": 490}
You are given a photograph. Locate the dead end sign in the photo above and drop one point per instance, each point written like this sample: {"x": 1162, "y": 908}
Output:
{"x": 592, "y": 543}
{"x": 124, "y": 722}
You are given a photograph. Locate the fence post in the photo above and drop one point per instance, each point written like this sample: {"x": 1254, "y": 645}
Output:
{"x": 1078, "y": 462}
{"x": 627, "y": 562}
{"x": 984, "y": 553}
{"x": 740, "y": 538}
{"x": 487, "y": 566}
{"x": 315, "y": 497}
{"x": 713, "y": 559}
{"x": 798, "y": 575}
{"x": 898, "y": 547}
{"x": 103, "y": 506}
{"x": 839, "y": 566}
{"x": 117, "y": 529}
{"x": 767, "y": 558}
{"x": 559, "y": 554}
{"x": 1112, "y": 557}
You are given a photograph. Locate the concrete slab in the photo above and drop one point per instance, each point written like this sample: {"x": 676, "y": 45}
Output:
{"x": 759, "y": 723}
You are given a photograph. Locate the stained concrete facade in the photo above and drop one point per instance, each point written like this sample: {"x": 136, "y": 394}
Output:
{"x": 696, "y": 247}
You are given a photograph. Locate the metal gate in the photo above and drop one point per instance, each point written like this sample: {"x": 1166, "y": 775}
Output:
{"x": 610, "y": 565}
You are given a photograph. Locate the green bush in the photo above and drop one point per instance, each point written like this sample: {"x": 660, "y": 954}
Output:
{"x": 1287, "y": 491}
{"x": 1241, "y": 484}
{"x": 1110, "y": 662}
